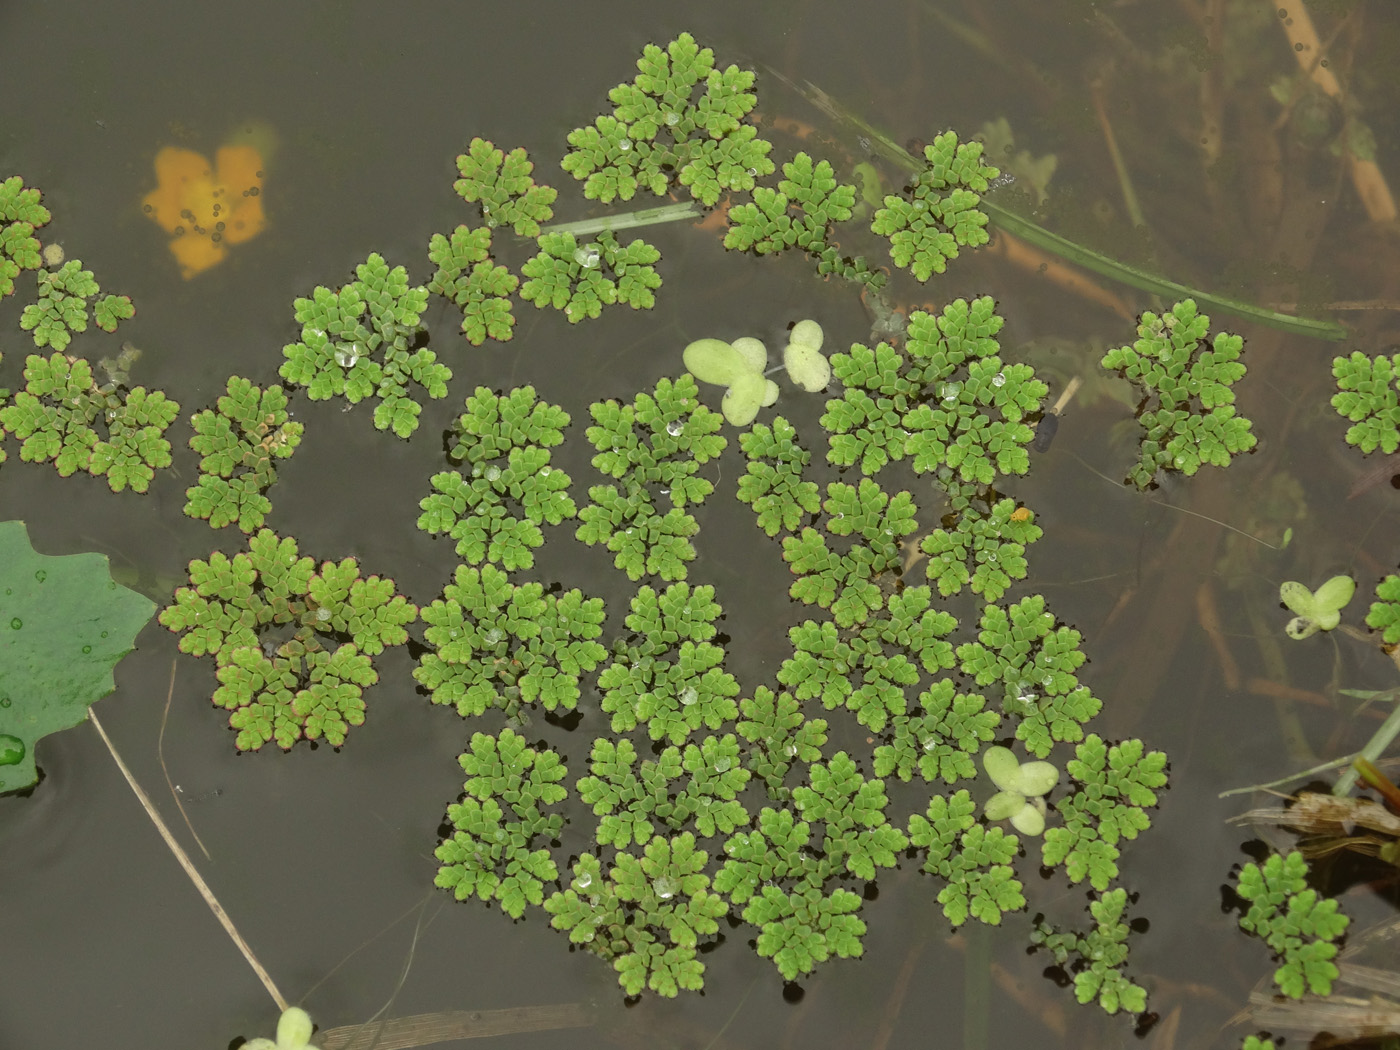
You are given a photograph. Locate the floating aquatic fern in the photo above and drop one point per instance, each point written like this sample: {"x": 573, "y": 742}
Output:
{"x": 502, "y": 184}
{"x": 62, "y": 308}
{"x": 799, "y": 214}
{"x": 20, "y": 215}
{"x": 488, "y": 854}
{"x": 698, "y": 786}
{"x": 659, "y": 442}
{"x": 1020, "y": 647}
{"x": 647, "y": 917}
{"x": 581, "y": 279}
{"x": 771, "y": 871}
{"x": 1189, "y": 409}
{"x": 466, "y": 275}
{"x": 1365, "y": 396}
{"x": 1384, "y": 614}
{"x": 868, "y": 671}
{"x": 856, "y": 835}
{"x": 866, "y": 425}
{"x": 845, "y": 582}
{"x": 938, "y": 213}
{"x": 57, "y": 413}
{"x": 974, "y": 860}
{"x": 1116, "y": 787}
{"x": 358, "y": 342}
{"x": 942, "y": 740}
{"x": 985, "y": 550}
{"x": 238, "y": 445}
{"x": 265, "y": 616}
{"x": 668, "y": 677}
{"x": 773, "y": 484}
{"x": 1097, "y": 957}
{"x": 973, "y": 422}
{"x": 1299, "y": 925}
{"x": 496, "y": 643}
{"x": 780, "y": 736}
{"x": 503, "y": 440}
{"x": 660, "y": 129}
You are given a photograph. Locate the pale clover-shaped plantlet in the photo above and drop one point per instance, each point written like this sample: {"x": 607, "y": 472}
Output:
{"x": 803, "y": 357}
{"x": 1022, "y": 787}
{"x": 1319, "y": 610}
{"x": 739, "y": 366}
{"x": 294, "y": 1030}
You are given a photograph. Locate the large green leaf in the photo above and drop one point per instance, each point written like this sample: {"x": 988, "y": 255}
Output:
{"x": 64, "y": 624}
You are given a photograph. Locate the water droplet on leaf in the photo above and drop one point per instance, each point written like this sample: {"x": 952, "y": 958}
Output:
{"x": 41, "y": 575}
{"x": 11, "y": 748}
{"x": 664, "y": 886}
{"x": 16, "y": 623}
{"x": 675, "y": 428}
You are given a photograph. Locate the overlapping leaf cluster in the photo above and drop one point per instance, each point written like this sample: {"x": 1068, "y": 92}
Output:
{"x": 661, "y": 129}
{"x": 21, "y": 215}
{"x": 1384, "y": 614}
{"x": 667, "y": 676}
{"x": 359, "y": 342}
{"x": 1115, "y": 786}
{"x": 1366, "y": 388}
{"x": 867, "y": 669}
{"x": 1298, "y": 924}
{"x": 238, "y": 445}
{"x": 466, "y": 275}
{"x": 496, "y": 643}
{"x": 580, "y": 279}
{"x": 647, "y": 915}
{"x": 654, "y": 449}
{"x": 971, "y": 423}
{"x": 986, "y": 550}
{"x": 889, "y": 658}
{"x": 938, "y": 213}
{"x": 503, "y": 184}
{"x": 772, "y": 483}
{"x": 676, "y": 846}
{"x": 507, "y": 488}
{"x": 799, "y": 214}
{"x": 1098, "y": 956}
{"x": 62, "y": 308}
{"x": 1188, "y": 412}
{"x": 58, "y": 414}
{"x": 293, "y": 643}
{"x": 1020, "y": 648}
{"x": 488, "y": 854}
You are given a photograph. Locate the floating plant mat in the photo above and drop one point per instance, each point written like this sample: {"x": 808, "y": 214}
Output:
{"x": 712, "y": 800}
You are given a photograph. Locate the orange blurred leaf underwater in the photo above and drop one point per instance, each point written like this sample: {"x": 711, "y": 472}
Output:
{"x": 207, "y": 207}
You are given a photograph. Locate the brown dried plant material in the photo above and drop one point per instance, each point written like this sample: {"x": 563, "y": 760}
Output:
{"x": 1366, "y": 175}
{"x": 1320, "y": 814}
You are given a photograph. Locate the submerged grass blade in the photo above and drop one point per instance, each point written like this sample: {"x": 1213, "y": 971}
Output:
{"x": 447, "y": 1025}
{"x": 879, "y": 142}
